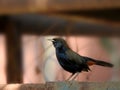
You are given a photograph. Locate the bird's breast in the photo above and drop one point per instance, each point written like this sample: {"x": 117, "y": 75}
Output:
{"x": 62, "y": 58}
{"x": 66, "y": 63}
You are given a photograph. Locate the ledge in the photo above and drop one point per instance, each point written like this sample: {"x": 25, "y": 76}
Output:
{"x": 64, "y": 86}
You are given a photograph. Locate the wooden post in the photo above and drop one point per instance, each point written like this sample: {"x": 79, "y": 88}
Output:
{"x": 14, "y": 59}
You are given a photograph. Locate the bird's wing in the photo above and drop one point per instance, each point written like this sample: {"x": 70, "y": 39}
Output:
{"x": 74, "y": 57}
{"x": 78, "y": 60}
{"x": 89, "y": 61}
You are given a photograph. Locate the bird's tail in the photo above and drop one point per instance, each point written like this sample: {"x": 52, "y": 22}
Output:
{"x": 102, "y": 63}
{"x": 91, "y": 61}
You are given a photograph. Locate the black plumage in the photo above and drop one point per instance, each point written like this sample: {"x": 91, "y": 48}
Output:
{"x": 73, "y": 62}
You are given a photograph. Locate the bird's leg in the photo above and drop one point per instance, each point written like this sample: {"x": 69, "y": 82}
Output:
{"x": 70, "y": 76}
{"x": 75, "y": 76}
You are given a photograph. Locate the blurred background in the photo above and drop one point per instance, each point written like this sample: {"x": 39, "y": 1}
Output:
{"x": 90, "y": 28}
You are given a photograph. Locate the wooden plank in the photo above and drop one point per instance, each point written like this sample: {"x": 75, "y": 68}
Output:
{"x": 3, "y": 21}
{"x": 67, "y": 5}
{"x": 14, "y": 59}
{"x": 46, "y": 6}
{"x": 44, "y": 25}
{"x": 64, "y": 86}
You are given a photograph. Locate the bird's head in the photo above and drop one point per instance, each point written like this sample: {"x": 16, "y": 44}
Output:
{"x": 59, "y": 42}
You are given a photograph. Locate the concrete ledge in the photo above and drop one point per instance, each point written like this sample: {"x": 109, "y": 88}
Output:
{"x": 64, "y": 86}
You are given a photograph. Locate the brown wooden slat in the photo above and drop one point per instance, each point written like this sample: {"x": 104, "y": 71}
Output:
{"x": 44, "y": 25}
{"x": 64, "y": 5}
{"x": 14, "y": 59}
{"x": 27, "y": 6}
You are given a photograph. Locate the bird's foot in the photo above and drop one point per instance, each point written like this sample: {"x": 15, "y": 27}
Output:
{"x": 71, "y": 82}
{"x": 66, "y": 80}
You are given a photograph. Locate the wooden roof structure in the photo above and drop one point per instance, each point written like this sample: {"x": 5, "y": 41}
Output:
{"x": 53, "y": 17}
{"x": 48, "y": 6}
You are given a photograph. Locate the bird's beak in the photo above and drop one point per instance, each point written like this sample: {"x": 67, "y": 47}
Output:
{"x": 51, "y": 40}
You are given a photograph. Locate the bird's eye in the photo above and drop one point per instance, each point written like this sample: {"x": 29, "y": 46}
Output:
{"x": 54, "y": 41}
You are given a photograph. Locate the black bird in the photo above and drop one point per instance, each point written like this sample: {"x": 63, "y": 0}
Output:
{"x": 73, "y": 62}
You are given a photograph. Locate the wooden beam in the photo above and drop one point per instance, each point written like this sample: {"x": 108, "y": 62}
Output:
{"x": 14, "y": 60}
{"x": 3, "y": 22}
{"x": 46, "y": 6}
{"x": 45, "y": 25}
{"x": 64, "y": 86}
{"x": 106, "y": 14}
